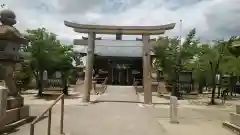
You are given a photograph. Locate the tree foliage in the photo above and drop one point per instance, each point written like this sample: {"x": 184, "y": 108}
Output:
{"x": 204, "y": 60}
{"x": 47, "y": 53}
{"x": 173, "y": 57}
{"x": 23, "y": 75}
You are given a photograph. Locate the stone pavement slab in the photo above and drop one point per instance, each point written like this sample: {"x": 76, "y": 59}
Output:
{"x": 194, "y": 127}
{"x": 74, "y": 98}
{"x": 119, "y": 94}
{"x": 103, "y": 118}
{"x": 117, "y": 112}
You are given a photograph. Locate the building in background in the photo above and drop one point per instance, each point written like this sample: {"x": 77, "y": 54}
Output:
{"x": 119, "y": 60}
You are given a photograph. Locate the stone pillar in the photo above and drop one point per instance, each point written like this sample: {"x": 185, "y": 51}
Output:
{"x": 3, "y": 102}
{"x": 149, "y": 70}
{"x": 146, "y": 70}
{"x": 89, "y": 66}
{"x": 173, "y": 110}
{"x": 9, "y": 79}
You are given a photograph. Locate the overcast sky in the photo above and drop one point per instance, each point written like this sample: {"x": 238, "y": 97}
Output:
{"x": 212, "y": 18}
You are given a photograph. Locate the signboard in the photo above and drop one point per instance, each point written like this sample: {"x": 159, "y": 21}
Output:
{"x": 58, "y": 74}
{"x": 45, "y": 75}
{"x": 226, "y": 80}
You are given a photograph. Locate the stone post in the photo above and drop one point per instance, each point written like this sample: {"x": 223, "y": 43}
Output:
{"x": 9, "y": 79}
{"x": 89, "y": 66}
{"x": 3, "y": 101}
{"x": 146, "y": 70}
{"x": 149, "y": 70}
{"x": 45, "y": 78}
{"x": 173, "y": 110}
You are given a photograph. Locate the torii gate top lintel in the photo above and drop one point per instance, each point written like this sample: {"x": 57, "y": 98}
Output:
{"x": 125, "y": 30}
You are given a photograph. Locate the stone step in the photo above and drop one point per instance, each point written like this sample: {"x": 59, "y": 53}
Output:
{"x": 235, "y": 119}
{"x": 14, "y": 118}
{"x": 15, "y": 114}
{"x": 10, "y": 127}
{"x": 231, "y": 126}
{"x": 14, "y": 102}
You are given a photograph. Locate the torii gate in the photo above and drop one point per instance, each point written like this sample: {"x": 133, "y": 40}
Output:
{"x": 145, "y": 31}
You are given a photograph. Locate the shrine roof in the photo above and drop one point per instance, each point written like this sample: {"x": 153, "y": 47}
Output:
{"x": 115, "y": 48}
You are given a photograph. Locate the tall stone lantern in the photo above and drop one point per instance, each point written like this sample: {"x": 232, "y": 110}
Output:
{"x": 10, "y": 42}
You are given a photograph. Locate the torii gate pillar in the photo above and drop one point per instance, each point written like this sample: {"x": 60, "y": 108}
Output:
{"x": 147, "y": 80}
{"x": 89, "y": 66}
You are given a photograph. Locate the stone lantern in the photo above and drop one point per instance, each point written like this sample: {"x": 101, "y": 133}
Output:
{"x": 10, "y": 42}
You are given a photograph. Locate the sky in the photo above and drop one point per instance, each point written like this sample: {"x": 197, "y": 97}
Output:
{"x": 213, "y": 19}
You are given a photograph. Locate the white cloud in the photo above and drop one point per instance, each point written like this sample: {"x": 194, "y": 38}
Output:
{"x": 212, "y": 18}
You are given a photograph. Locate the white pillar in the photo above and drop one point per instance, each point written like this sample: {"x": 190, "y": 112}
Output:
{"x": 45, "y": 78}
{"x": 89, "y": 66}
{"x": 173, "y": 109}
{"x": 146, "y": 70}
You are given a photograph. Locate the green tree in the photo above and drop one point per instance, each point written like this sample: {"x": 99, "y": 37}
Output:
{"x": 173, "y": 57}
{"x": 23, "y": 75}
{"x": 42, "y": 47}
{"x": 212, "y": 60}
{"x": 63, "y": 63}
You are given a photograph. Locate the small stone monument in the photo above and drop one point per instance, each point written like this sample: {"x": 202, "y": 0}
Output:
{"x": 45, "y": 78}
{"x": 10, "y": 42}
{"x": 154, "y": 82}
{"x": 173, "y": 110}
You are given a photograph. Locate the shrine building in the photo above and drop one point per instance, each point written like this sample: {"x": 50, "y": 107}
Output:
{"x": 122, "y": 61}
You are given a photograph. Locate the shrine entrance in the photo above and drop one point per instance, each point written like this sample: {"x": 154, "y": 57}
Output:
{"x": 120, "y": 75}
{"x": 144, "y": 43}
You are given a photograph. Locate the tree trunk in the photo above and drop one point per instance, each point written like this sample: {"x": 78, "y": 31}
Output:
{"x": 175, "y": 85}
{"x": 231, "y": 86}
{"x": 40, "y": 83}
{"x": 214, "y": 72}
{"x": 213, "y": 94}
{"x": 213, "y": 88}
{"x": 219, "y": 86}
{"x": 64, "y": 83}
{"x": 174, "y": 88}
{"x": 65, "y": 87}
{"x": 200, "y": 88}
{"x": 219, "y": 92}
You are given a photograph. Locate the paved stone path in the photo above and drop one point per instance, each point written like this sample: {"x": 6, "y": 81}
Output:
{"x": 119, "y": 94}
{"x": 117, "y": 112}
{"x": 111, "y": 116}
